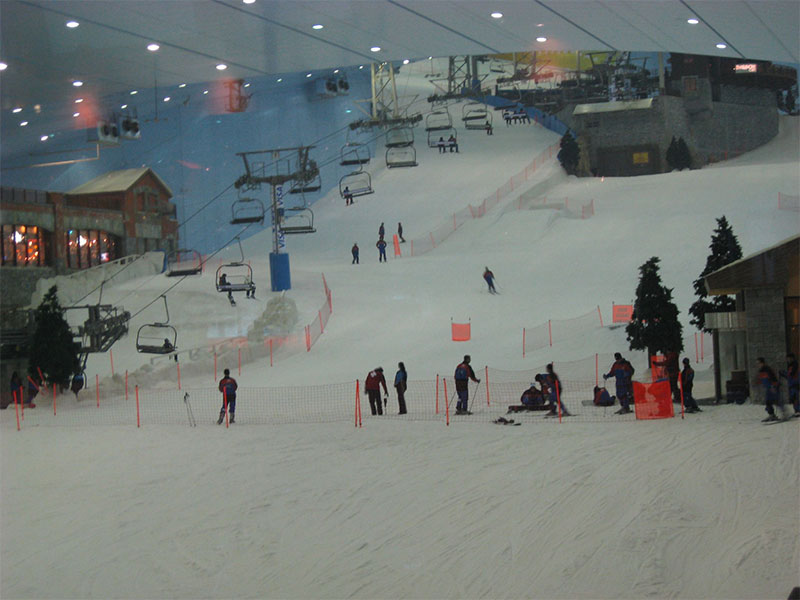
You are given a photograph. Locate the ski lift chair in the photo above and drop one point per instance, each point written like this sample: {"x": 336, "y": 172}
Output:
{"x": 247, "y": 210}
{"x": 475, "y": 116}
{"x": 438, "y": 120}
{"x": 184, "y": 262}
{"x": 399, "y": 137}
{"x": 238, "y": 278}
{"x": 157, "y": 338}
{"x": 357, "y": 184}
{"x": 354, "y": 153}
{"x": 299, "y": 220}
{"x": 405, "y": 156}
{"x": 303, "y": 187}
{"x": 433, "y": 136}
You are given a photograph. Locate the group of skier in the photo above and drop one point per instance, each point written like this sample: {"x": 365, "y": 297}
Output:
{"x": 380, "y": 244}
{"x": 375, "y": 380}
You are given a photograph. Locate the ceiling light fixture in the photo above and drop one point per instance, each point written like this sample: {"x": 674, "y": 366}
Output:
{"x": 360, "y": 66}
{"x": 721, "y": 46}
{"x": 205, "y": 91}
{"x": 317, "y": 26}
{"x": 540, "y": 24}
{"x": 3, "y": 66}
{"x": 335, "y": 71}
{"x": 76, "y": 114}
{"x": 18, "y": 109}
{"x": 406, "y": 61}
{"x": 134, "y": 92}
{"x": 497, "y": 15}
{"x": 78, "y": 100}
{"x": 249, "y": 1}
{"x": 692, "y": 21}
{"x": 72, "y": 24}
{"x": 23, "y": 123}
{"x": 153, "y": 47}
{"x": 43, "y": 138}
{"x": 181, "y": 85}
{"x": 124, "y": 106}
{"x": 221, "y": 67}
{"x": 77, "y": 83}
{"x": 375, "y": 49}
{"x": 167, "y": 98}
{"x": 246, "y": 85}
{"x": 308, "y": 75}
{"x": 541, "y": 39}
{"x": 280, "y": 79}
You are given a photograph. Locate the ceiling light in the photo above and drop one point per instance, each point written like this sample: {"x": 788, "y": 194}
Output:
{"x": 335, "y": 71}
{"x": 406, "y": 61}
{"x": 308, "y": 75}
{"x": 246, "y": 85}
{"x": 37, "y": 108}
{"x": 72, "y": 24}
{"x": 134, "y": 92}
{"x": 43, "y": 138}
{"x": 317, "y": 26}
{"x": 692, "y": 21}
{"x": 221, "y": 67}
{"x": 541, "y": 39}
{"x": 205, "y": 91}
{"x": 497, "y": 15}
{"x": 182, "y": 85}
{"x": 153, "y": 47}
{"x": 76, "y": 114}
{"x": 23, "y": 123}
{"x": 280, "y": 79}
{"x": 167, "y": 98}
{"x": 77, "y": 83}
{"x": 78, "y": 100}
{"x": 540, "y": 24}
{"x": 3, "y": 66}
{"x": 124, "y": 106}
{"x": 18, "y": 109}
{"x": 430, "y": 58}
{"x": 360, "y": 66}
{"x": 721, "y": 46}
{"x": 375, "y": 49}
{"x": 249, "y": 1}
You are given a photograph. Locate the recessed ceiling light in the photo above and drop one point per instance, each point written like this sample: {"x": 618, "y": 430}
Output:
{"x": 317, "y": 26}
{"x": 246, "y": 85}
{"x": 37, "y": 108}
{"x": 72, "y": 24}
{"x": 3, "y": 66}
{"x": 249, "y": 1}
{"x": 124, "y": 106}
{"x": 721, "y": 46}
{"x": 167, "y": 98}
{"x": 18, "y": 109}
{"x": 541, "y": 39}
{"x": 430, "y": 58}
{"x": 181, "y": 85}
{"x": 134, "y": 92}
{"x": 221, "y": 67}
{"x": 280, "y": 79}
{"x": 23, "y": 123}
{"x": 692, "y": 21}
{"x": 308, "y": 75}
{"x": 406, "y": 61}
{"x": 44, "y": 138}
{"x": 360, "y": 66}
{"x": 78, "y": 100}
{"x": 540, "y": 24}
{"x": 153, "y": 47}
{"x": 76, "y": 114}
{"x": 375, "y": 49}
{"x": 497, "y": 15}
{"x": 77, "y": 83}
{"x": 335, "y": 71}
{"x": 205, "y": 91}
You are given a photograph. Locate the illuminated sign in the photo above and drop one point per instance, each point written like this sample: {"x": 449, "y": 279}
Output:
{"x": 745, "y": 68}
{"x": 641, "y": 158}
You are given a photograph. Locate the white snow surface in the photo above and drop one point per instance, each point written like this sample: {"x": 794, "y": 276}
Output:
{"x": 702, "y": 507}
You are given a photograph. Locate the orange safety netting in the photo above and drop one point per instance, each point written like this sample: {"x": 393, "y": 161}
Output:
{"x": 653, "y": 400}
{"x": 462, "y": 332}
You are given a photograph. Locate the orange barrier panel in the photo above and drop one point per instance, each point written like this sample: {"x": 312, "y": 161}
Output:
{"x": 653, "y": 401}
{"x": 462, "y": 332}
{"x": 621, "y": 313}
{"x": 396, "y": 246}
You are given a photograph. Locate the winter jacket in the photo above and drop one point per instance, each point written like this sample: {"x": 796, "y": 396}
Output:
{"x": 401, "y": 380}
{"x": 462, "y": 376}
{"x": 687, "y": 380}
{"x": 374, "y": 381}
{"x": 228, "y": 387}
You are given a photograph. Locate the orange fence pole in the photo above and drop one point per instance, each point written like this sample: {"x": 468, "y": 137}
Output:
{"x": 111, "y": 357}
{"x": 486, "y": 372}
{"x": 396, "y": 242}
{"x": 550, "y": 332}
{"x": 321, "y": 328}
{"x": 356, "y": 412}
{"x": 178, "y": 365}
{"x": 270, "y": 352}
{"x": 599, "y": 314}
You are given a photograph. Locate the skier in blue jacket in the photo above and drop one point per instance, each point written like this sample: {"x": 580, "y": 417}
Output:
{"x": 622, "y": 371}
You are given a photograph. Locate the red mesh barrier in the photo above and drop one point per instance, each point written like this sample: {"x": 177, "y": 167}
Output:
{"x": 653, "y": 400}
{"x": 461, "y": 332}
{"x": 621, "y": 313}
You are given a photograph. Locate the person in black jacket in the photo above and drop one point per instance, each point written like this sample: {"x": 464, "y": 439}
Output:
{"x": 687, "y": 383}
{"x": 463, "y": 374}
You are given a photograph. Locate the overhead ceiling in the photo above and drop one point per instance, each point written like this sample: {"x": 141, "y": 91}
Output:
{"x": 107, "y": 51}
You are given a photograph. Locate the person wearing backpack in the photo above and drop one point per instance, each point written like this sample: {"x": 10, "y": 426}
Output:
{"x": 228, "y": 387}
{"x": 462, "y": 376}
{"x": 622, "y": 371}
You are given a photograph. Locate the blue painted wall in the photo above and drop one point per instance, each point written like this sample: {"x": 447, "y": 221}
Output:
{"x": 191, "y": 143}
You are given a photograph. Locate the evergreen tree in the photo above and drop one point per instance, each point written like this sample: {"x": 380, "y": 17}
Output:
{"x": 570, "y": 153}
{"x": 724, "y": 250}
{"x": 672, "y": 150}
{"x": 683, "y": 157}
{"x": 654, "y": 325}
{"x": 52, "y": 348}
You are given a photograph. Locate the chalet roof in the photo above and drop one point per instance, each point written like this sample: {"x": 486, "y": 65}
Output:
{"x": 775, "y": 266}
{"x": 618, "y": 106}
{"x": 117, "y": 181}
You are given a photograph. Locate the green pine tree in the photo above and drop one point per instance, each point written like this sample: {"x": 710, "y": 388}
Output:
{"x": 52, "y": 348}
{"x": 654, "y": 325}
{"x": 724, "y": 250}
{"x": 570, "y": 153}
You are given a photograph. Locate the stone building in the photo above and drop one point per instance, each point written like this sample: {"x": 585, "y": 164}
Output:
{"x": 117, "y": 214}
{"x": 766, "y": 322}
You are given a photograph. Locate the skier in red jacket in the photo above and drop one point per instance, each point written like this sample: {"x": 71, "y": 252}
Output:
{"x": 372, "y": 385}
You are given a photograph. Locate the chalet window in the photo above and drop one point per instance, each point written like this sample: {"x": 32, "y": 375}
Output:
{"x": 23, "y": 246}
{"x": 88, "y": 248}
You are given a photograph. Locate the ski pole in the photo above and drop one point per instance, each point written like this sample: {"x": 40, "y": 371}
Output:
{"x": 475, "y": 395}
